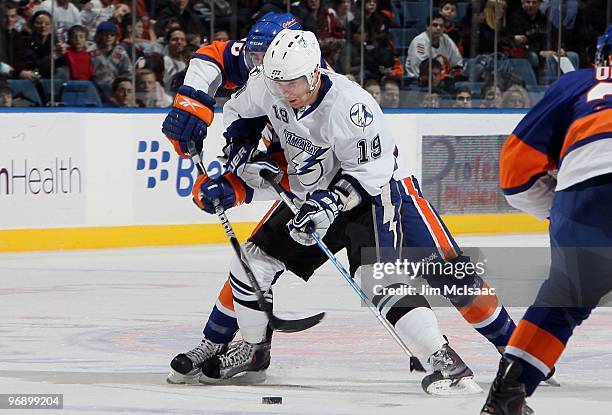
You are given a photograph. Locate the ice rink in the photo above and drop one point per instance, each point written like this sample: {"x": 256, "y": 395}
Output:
{"x": 101, "y": 327}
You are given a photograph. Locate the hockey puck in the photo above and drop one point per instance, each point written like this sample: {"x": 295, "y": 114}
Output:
{"x": 272, "y": 400}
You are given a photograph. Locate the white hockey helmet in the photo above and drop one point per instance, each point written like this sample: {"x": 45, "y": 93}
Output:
{"x": 293, "y": 54}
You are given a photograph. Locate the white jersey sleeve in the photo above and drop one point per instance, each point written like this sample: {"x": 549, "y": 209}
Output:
{"x": 203, "y": 76}
{"x": 244, "y": 115}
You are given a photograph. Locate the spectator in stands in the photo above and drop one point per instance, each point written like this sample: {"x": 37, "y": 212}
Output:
{"x": 94, "y": 12}
{"x": 343, "y": 11}
{"x": 390, "y": 93}
{"x": 65, "y": 15}
{"x": 318, "y": 18}
{"x": 528, "y": 25}
{"x": 431, "y": 100}
{"x": 76, "y": 60}
{"x": 143, "y": 44}
{"x": 442, "y": 49}
{"x": 149, "y": 93}
{"x": 6, "y": 96}
{"x": 380, "y": 58}
{"x": 463, "y": 99}
{"x": 448, "y": 10}
{"x": 516, "y": 97}
{"x": 373, "y": 87}
{"x": 109, "y": 59}
{"x": 11, "y": 41}
{"x": 375, "y": 21}
{"x": 181, "y": 11}
{"x": 36, "y": 60}
{"x": 175, "y": 59}
{"x": 439, "y": 85}
{"x": 221, "y": 35}
{"x": 491, "y": 96}
{"x": 487, "y": 29}
{"x": 122, "y": 93}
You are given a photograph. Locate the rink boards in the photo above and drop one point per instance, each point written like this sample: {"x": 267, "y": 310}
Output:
{"x": 94, "y": 179}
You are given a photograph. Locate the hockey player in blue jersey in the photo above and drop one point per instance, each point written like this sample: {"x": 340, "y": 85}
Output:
{"x": 570, "y": 129}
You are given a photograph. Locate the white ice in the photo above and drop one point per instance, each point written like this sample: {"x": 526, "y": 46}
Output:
{"x": 101, "y": 327}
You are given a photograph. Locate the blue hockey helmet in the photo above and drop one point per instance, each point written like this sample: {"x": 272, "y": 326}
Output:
{"x": 604, "y": 48}
{"x": 263, "y": 32}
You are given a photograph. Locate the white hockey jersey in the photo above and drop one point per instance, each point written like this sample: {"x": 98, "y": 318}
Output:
{"x": 343, "y": 130}
{"x": 446, "y": 52}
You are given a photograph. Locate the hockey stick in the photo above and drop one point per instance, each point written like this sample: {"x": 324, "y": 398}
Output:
{"x": 415, "y": 364}
{"x": 278, "y": 324}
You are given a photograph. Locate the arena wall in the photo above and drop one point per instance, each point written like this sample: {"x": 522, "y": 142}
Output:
{"x": 72, "y": 179}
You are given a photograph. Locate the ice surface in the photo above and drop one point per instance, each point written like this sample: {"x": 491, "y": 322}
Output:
{"x": 102, "y": 326}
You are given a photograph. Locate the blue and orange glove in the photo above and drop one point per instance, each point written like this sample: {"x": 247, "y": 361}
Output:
{"x": 191, "y": 114}
{"x": 228, "y": 189}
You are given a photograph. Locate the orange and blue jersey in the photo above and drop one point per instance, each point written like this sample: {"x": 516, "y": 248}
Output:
{"x": 570, "y": 129}
{"x": 227, "y": 57}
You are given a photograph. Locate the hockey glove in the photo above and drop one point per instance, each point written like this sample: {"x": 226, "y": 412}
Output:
{"x": 248, "y": 163}
{"x": 188, "y": 120}
{"x": 227, "y": 190}
{"x": 317, "y": 213}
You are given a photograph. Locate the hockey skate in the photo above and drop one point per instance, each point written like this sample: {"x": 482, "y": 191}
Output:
{"x": 248, "y": 360}
{"x": 186, "y": 367}
{"x": 450, "y": 376}
{"x": 507, "y": 395}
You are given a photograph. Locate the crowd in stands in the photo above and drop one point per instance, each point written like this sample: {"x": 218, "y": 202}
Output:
{"x": 476, "y": 53}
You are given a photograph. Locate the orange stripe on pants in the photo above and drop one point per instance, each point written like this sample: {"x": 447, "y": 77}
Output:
{"x": 439, "y": 234}
{"x": 225, "y": 296}
{"x": 481, "y": 308}
{"x": 537, "y": 342}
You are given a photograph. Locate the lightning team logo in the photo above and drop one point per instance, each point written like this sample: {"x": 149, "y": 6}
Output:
{"x": 361, "y": 115}
{"x": 308, "y": 160}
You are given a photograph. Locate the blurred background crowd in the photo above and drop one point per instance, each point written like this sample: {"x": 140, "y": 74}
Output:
{"x": 444, "y": 53}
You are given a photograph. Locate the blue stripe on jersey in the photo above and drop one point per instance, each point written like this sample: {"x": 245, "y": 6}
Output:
{"x": 211, "y": 60}
{"x": 326, "y": 85}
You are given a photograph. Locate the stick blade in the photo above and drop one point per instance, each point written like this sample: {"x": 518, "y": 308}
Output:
{"x": 292, "y": 326}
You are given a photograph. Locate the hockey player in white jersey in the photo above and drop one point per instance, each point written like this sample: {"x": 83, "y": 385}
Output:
{"x": 341, "y": 168}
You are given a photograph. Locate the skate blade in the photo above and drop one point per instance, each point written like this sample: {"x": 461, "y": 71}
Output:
{"x": 246, "y": 378}
{"x": 552, "y": 381}
{"x": 175, "y": 378}
{"x": 445, "y": 387}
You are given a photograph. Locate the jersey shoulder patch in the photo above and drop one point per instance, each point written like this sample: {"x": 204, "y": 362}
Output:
{"x": 361, "y": 115}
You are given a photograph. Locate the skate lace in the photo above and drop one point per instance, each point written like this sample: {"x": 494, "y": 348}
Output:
{"x": 238, "y": 355}
{"x": 441, "y": 360}
{"x": 203, "y": 351}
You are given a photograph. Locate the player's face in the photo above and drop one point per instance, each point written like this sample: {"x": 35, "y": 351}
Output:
{"x": 257, "y": 58}
{"x": 296, "y": 92}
